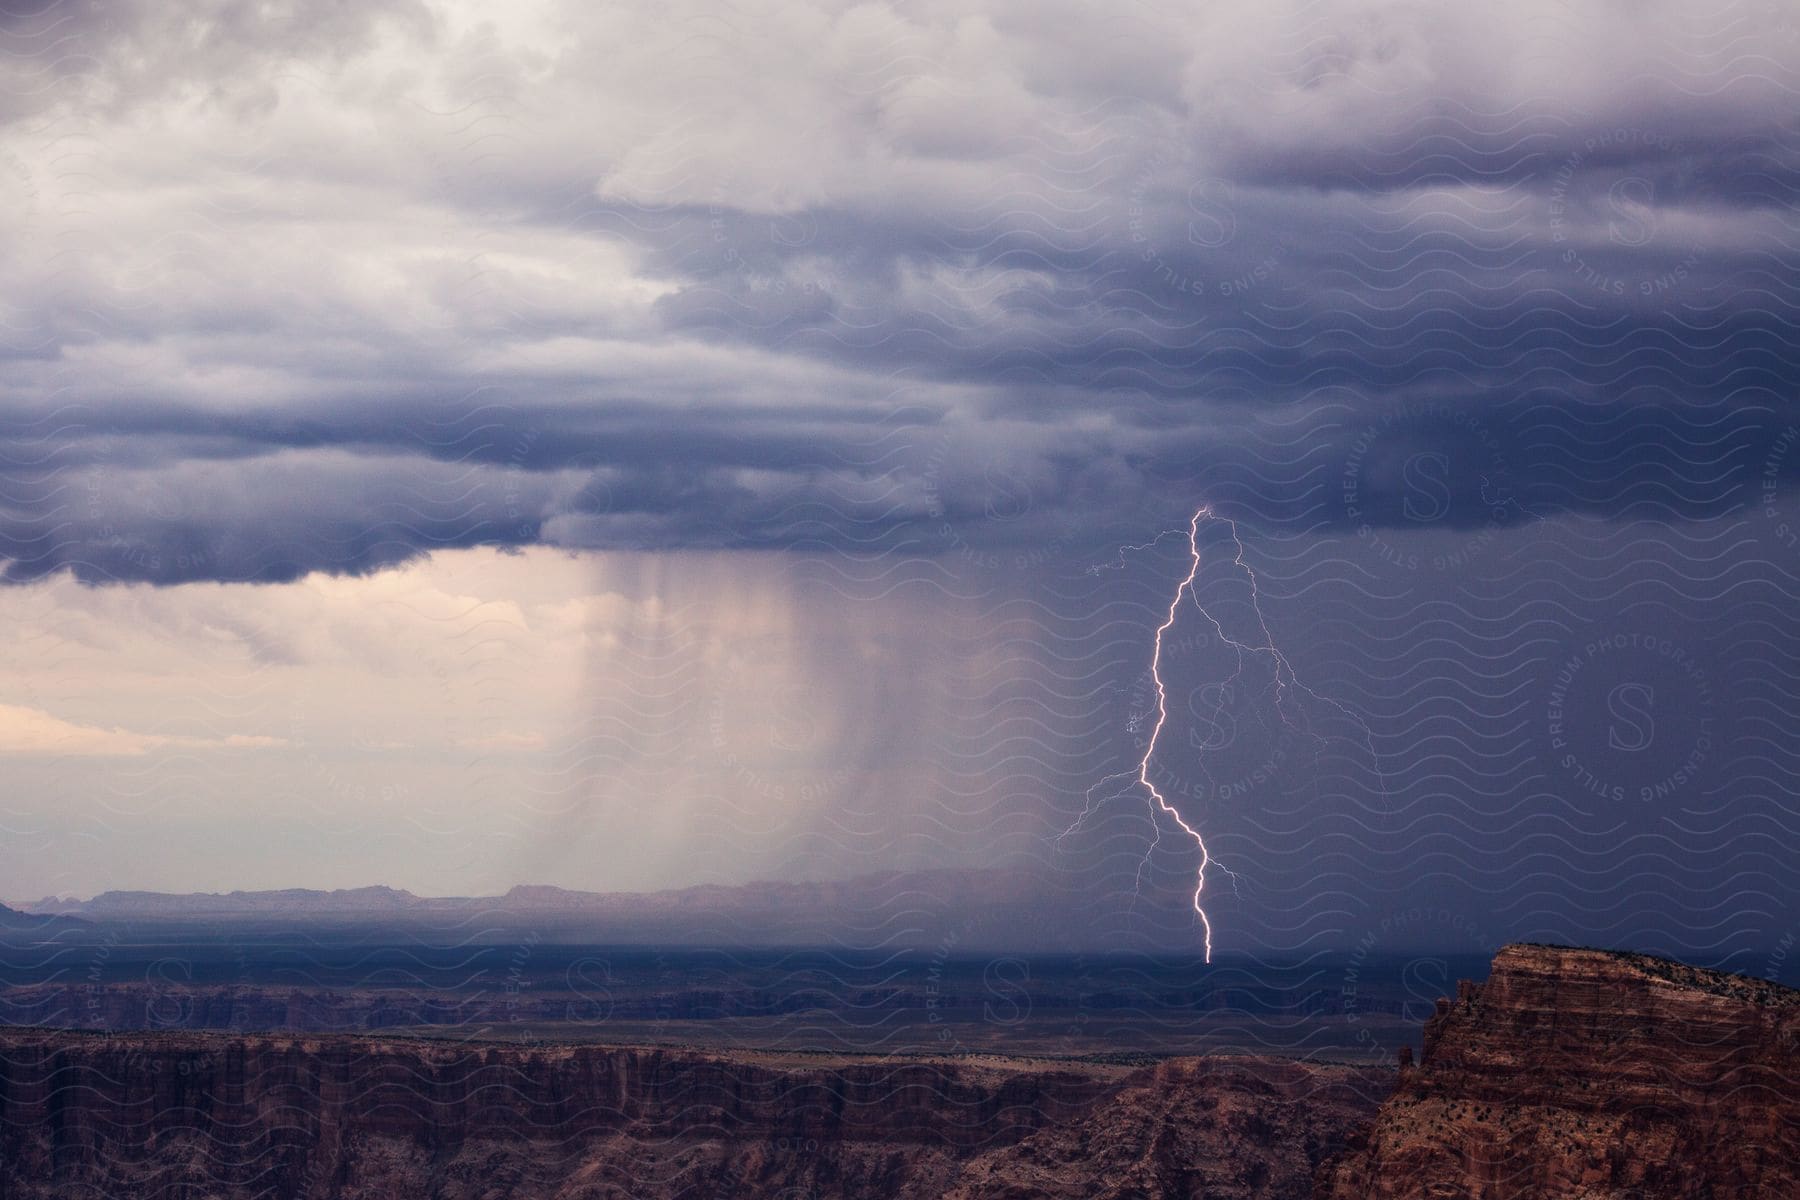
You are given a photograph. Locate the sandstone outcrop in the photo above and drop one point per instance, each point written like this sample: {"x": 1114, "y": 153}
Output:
{"x": 1592, "y": 1075}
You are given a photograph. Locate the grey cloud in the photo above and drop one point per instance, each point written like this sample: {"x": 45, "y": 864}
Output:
{"x": 525, "y": 299}
{"x": 108, "y": 56}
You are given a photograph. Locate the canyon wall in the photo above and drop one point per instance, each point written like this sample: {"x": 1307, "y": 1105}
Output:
{"x": 202, "y": 1115}
{"x": 1593, "y": 1075}
{"x": 1569, "y": 1075}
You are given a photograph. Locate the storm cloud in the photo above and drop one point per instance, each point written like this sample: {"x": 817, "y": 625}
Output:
{"x": 325, "y": 288}
{"x": 639, "y": 445}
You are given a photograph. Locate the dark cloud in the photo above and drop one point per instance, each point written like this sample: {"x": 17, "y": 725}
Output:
{"x": 417, "y": 291}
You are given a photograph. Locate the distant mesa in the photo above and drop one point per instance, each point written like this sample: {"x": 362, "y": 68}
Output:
{"x": 14, "y": 919}
{"x": 377, "y": 901}
{"x": 1010, "y": 900}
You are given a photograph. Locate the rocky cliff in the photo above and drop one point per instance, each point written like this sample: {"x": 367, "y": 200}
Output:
{"x": 1570, "y": 1074}
{"x": 195, "y": 1115}
{"x": 1590, "y": 1075}
{"x": 1222, "y": 1128}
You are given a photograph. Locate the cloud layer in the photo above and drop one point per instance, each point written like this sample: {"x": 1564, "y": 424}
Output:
{"x": 842, "y": 347}
{"x": 327, "y": 289}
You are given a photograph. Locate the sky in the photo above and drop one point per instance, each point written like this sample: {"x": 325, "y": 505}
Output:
{"x": 453, "y": 446}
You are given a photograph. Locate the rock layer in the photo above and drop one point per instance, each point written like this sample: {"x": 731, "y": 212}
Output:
{"x": 191, "y": 1115}
{"x": 1221, "y": 1128}
{"x": 1573, "y": 1074}
{"x": 1592, "y": 1075}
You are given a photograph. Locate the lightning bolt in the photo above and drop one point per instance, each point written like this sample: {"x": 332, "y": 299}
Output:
{"x": 1284, "y": 681}
{"x": 1162, "y": 717}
